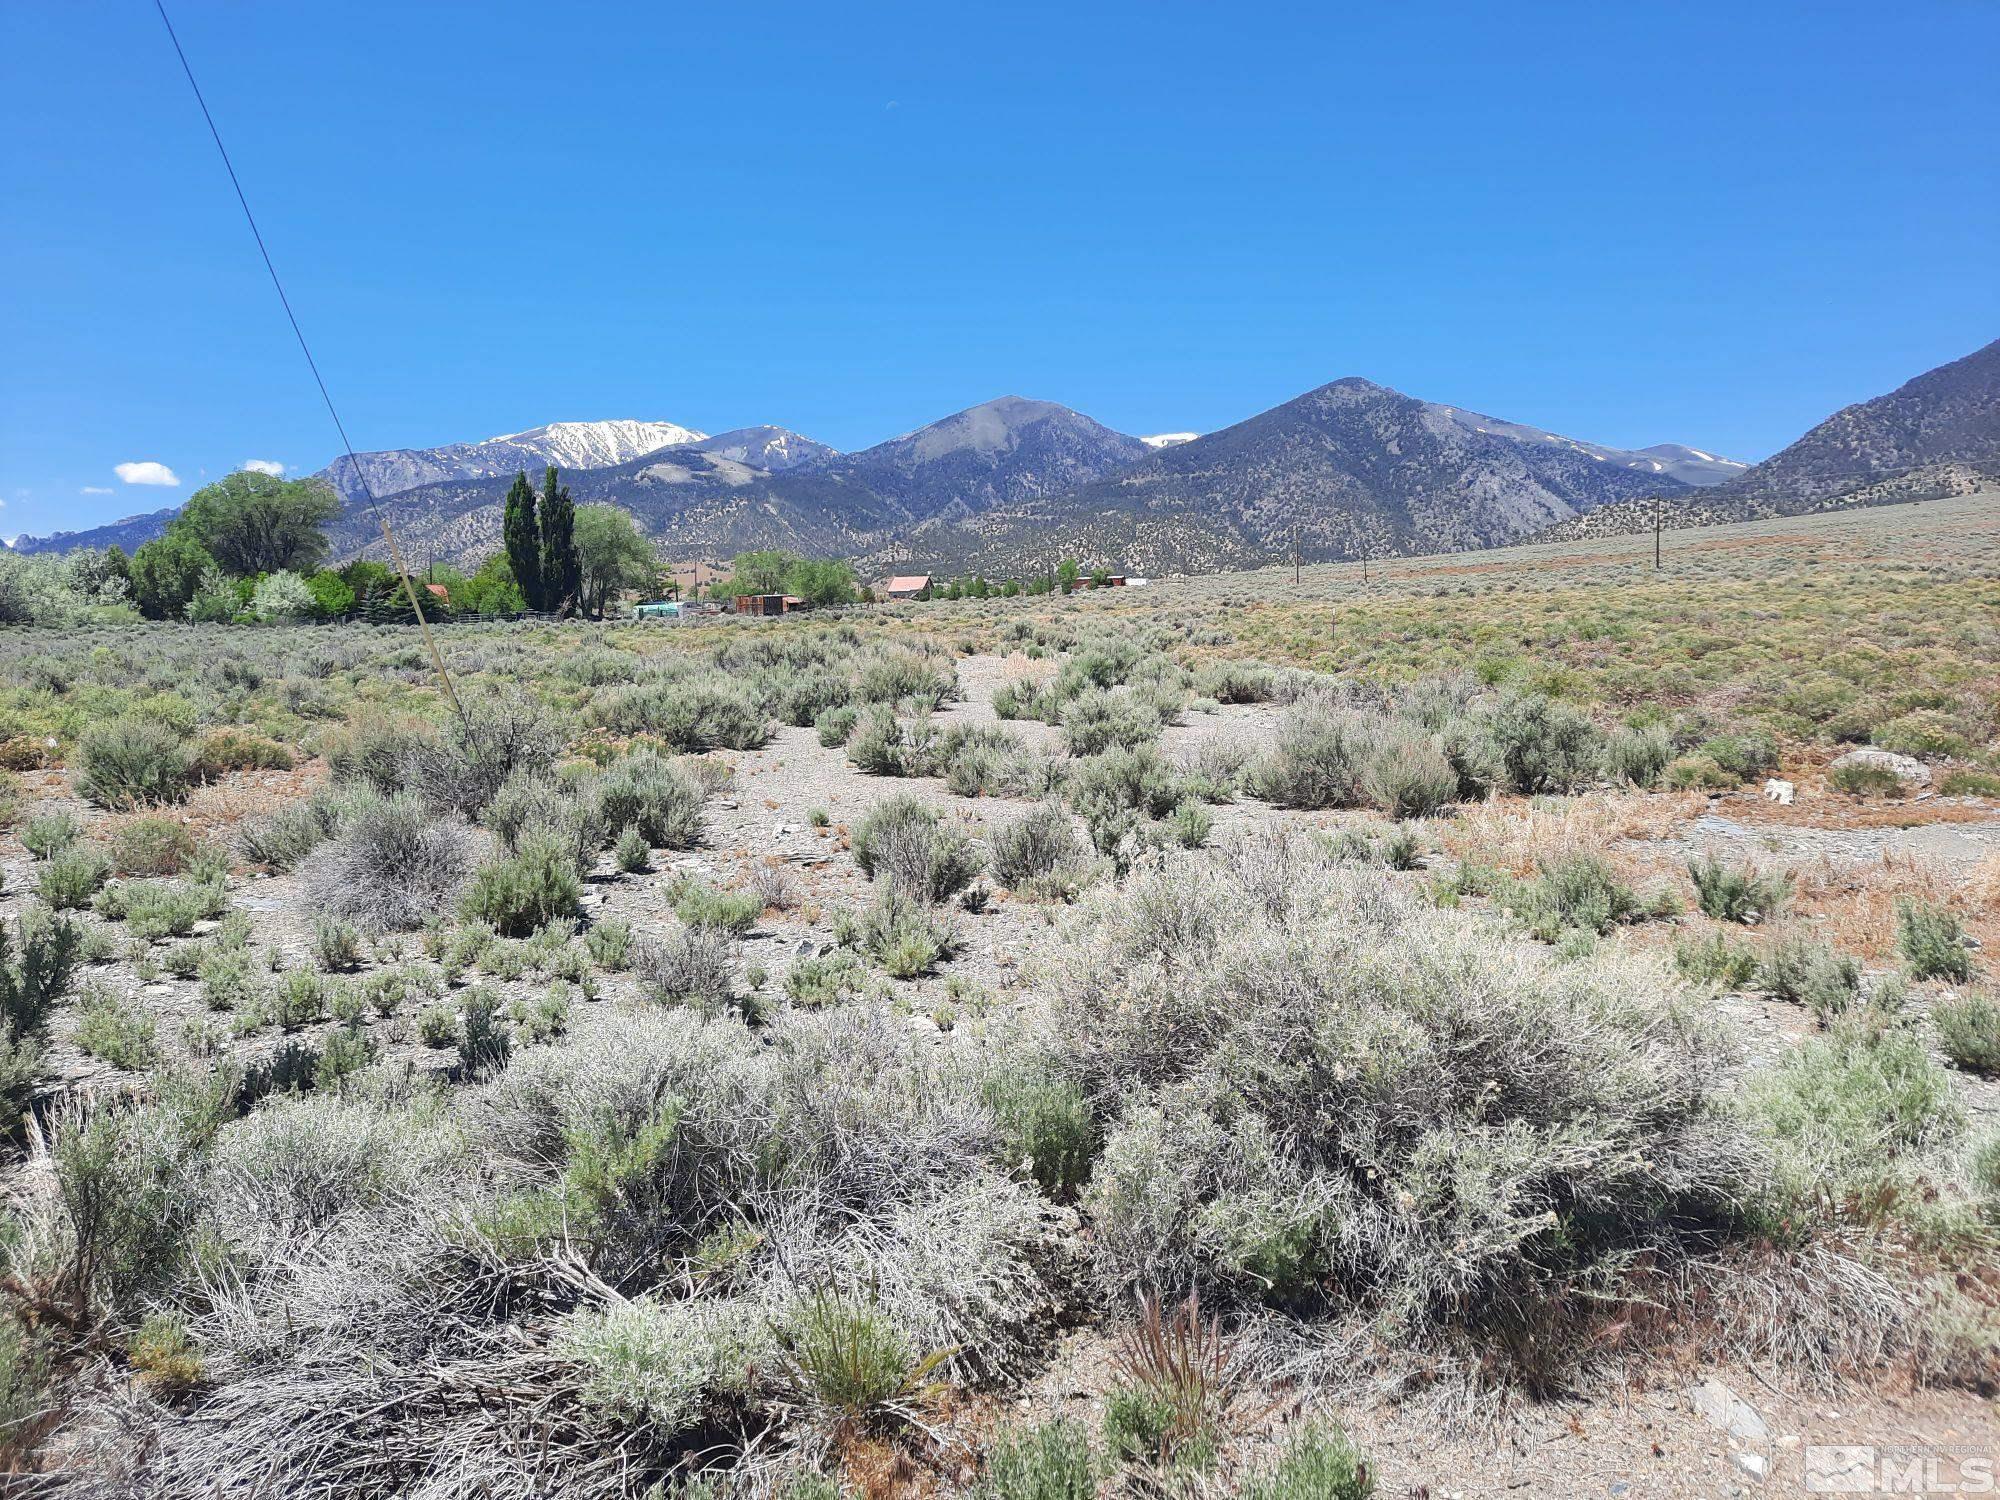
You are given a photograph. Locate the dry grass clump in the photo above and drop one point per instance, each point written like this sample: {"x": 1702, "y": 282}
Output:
{"x": 1521, "y": 837}
{"x": 1857, "y": 901}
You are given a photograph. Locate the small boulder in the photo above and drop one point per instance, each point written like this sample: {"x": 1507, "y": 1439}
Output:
{"x": 1780, "y": 792}
{"x": 1906, "y": 769}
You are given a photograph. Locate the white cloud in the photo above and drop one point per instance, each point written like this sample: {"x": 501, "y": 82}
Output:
{"x": 95, "y": 489}
{"x": 146, "y": 473}
{"x": 264, "y": 466}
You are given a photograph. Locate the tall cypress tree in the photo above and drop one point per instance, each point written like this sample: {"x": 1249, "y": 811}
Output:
{"x": 562, "y": 571}
{"x": 523, "y": 539}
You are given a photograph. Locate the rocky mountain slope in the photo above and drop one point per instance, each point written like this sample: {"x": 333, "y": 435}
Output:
{"x": 1931, "y": 437}
{"x": 1717, "y": 508}
{"x": 1691, "y": 465}
{"x": 696, "y": 503}
{"x": 1351, "y": 467}
{"x": 1685, "y": 465}
{"x": 765, "y": 487}
{"x": 567, "y": 445}
{"x": 772, "y": 449}
{"x": 127, "y": 532}
{"x": 1945, "y": 416}
{"x": 997, "y": 453}
{"x": 1011, "y": 485}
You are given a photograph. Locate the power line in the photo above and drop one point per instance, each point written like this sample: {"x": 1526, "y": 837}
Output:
{"x": 361, "y": 477}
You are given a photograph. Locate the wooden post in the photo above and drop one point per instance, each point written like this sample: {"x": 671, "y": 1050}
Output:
{"x": 410, "y": 588}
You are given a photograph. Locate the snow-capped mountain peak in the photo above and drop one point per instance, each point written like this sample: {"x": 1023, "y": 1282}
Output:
{"x": 567, "y": 445}
{"x": 596, "y": 445}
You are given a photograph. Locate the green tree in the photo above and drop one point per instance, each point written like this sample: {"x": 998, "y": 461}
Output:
{"x": 257, "y": 523}
{"x": 1068, "y": 573}
{"x": 760, "y": 573}
{"x": 523, "y": 539}
{"x": 562, "y": 575}
{"x": 371, "y": 581}
{"x": 492, "y": 589}
{"x": 165, "y": 573}
{"x": 821, "y": 581}
{"x": 332, "y": 595}
{"x": 611, "y": 556}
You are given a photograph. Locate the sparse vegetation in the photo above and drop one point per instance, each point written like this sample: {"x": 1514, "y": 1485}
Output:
{"x": 621, "y": 1077}
{"x": 1811, "y": 974}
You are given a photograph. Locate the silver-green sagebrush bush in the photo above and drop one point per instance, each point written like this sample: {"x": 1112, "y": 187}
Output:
{"x": 1038, "y": 842}
{"x": 904, "y": 845}
{"x": 723, "y": 1224}
{"x": 394, "y": 865}
{"x": 1318, "y": 1091}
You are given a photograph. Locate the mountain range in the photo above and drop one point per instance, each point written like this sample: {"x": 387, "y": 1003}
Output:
{"x": 1012, "y": 484}
{"x": 568, "y": 445}
{"x": 1348, "y": 468}
{"x": 1933, "y": 436}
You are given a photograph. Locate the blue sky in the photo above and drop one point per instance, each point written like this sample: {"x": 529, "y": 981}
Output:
{"x": 1706, "y": 223}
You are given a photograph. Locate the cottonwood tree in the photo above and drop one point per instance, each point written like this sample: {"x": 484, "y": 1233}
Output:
{"x": 815, "y": 580}
{"x": 760, "y": 572}
{"x": 257, "y": 523}
{"x": 166, "y": 572}
{"x": 821, "y": 580}
{"x": 611, "y": 556}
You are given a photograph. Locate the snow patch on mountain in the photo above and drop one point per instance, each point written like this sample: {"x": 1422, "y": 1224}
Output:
{"x": 1673, "y": 460}
{"x": 596, "y": 445}
{"x": 774, "y": 450}
{"x": 567, "y": 445}
{"x": 1167, "y": 439}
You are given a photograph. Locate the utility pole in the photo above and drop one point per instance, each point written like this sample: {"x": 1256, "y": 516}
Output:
{"x": 1295, "y": 553}
{"x": 1659, "y": 501}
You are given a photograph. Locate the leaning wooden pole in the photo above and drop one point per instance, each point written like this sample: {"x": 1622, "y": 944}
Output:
{"x": 410, "y": 589}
